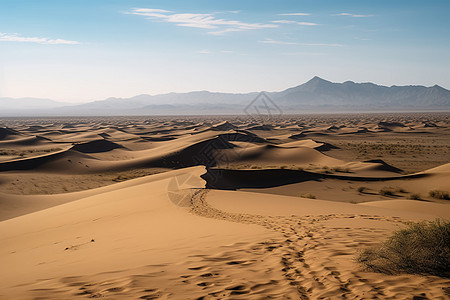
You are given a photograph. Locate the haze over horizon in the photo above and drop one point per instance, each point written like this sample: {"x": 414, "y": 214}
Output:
{"x": 79, "y": 51}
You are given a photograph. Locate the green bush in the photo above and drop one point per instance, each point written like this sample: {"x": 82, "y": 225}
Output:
{"x": 421, "y": 248}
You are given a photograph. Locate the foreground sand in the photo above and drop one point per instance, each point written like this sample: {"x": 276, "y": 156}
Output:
{"x": 132, "y": 241}
{"x": 77, "y": 223}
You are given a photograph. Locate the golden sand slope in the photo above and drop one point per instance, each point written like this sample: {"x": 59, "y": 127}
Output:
{"x": 70, "y": 228}
{"x": 131, "y": 241}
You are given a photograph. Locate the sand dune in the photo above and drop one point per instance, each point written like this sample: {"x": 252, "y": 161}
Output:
{"x": 9, "y": 134}
{"x": 215, "y": 208}
{"x": 116, "y": 244}
{"x": 96, "y": 146}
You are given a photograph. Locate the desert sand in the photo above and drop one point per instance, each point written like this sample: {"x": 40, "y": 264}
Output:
{"x": 216, "y": 207}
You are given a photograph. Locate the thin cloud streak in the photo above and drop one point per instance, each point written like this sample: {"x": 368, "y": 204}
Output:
{"x": 295, "y": 14}
{"x": 295, "y": 22}
{"x": 353, "y": 15}
{"x": 302, "y": 53}
{"x": 271, "y": 41}
{"x": 322, "y": 45}
{"x": 205, "y": 21}
{"x": 4, "y": 37}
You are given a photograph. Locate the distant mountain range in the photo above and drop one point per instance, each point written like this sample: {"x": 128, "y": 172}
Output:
{"x": 315, "y": 96}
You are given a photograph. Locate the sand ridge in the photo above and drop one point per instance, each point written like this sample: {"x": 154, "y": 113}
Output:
{"x": 216, "y": 207}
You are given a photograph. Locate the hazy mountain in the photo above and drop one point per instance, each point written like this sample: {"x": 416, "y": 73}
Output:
{"x": 191, "y": 98}
{"x": 28, "y": 103}
{"x": 321, "y": 92}
{"x": 316, "y": 95}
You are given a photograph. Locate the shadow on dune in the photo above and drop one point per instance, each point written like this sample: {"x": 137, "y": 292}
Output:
{"x": 32, "y": 163}
{"x": 97, "y": 146}
{"x": 6, "y": 133}
{"x": 227, "y": 179}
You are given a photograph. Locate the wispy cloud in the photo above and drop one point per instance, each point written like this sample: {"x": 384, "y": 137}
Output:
{"x": 322, "y": 45}
{"x": 220, "y": 32}
{"x": 353, "y": 15}
{"x": 302, "y": 53}
{"x": 205, "y": 21}
{"x": 214, "y": 52}
{"x": 4, "y": 37}
{"x": 295, "y": 14}
{"x": 295, "y": 22}
{"x": 270, "y": 41}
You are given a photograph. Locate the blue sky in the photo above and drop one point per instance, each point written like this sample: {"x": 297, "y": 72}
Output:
{"x": 83, "y": 50}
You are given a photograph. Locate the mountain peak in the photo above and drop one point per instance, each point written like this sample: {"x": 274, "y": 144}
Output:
{"x": 314, "y": 84}
{"x": 317, "y": 79}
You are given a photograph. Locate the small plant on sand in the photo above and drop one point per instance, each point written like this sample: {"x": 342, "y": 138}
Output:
{"x": 386, "y": 192}
{"x": 340, "y": 169}
{"x": 421, "y": 248}
{"x": 326, "y": 170}
{"x": 308, "y": 195}
{"x": 361, "y": 189}
{"x": 120, "y": 178}
{"x": 439, "y": 194}
{"x": 414, "y": 197}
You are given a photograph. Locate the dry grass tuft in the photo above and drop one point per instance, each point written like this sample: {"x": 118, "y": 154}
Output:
{"x": 421, "y": 248}
{"x": 308, "y": 195}
{"x": 361, "y": 189}
{"x": 340, "y": 169}
{"x": 439, "y": 194}
{"x": 414, "y": 197}
{"x": 386, "y": 192}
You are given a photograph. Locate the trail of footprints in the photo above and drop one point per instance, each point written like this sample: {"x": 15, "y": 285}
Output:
{"x": 296, "y": 266}
{"x": 315, "y": 274}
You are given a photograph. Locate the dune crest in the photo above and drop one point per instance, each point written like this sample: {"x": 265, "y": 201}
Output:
{"x": 216, "y": 208}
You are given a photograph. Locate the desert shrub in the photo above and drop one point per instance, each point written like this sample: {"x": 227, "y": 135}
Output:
{"x": 439, "y": 194}
{"x": 361, "y": 189}
{"x": 120, "y": 178}
{"x": 414, "y": 197}
{"x": 308, "y": 195}
{"x": 386, "y": 192}
{"x": 340, "y": 169}
{"x": 421, "y": 248}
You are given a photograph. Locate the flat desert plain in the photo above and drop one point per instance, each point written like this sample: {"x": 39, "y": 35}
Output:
{"x": 216, "y": 207}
